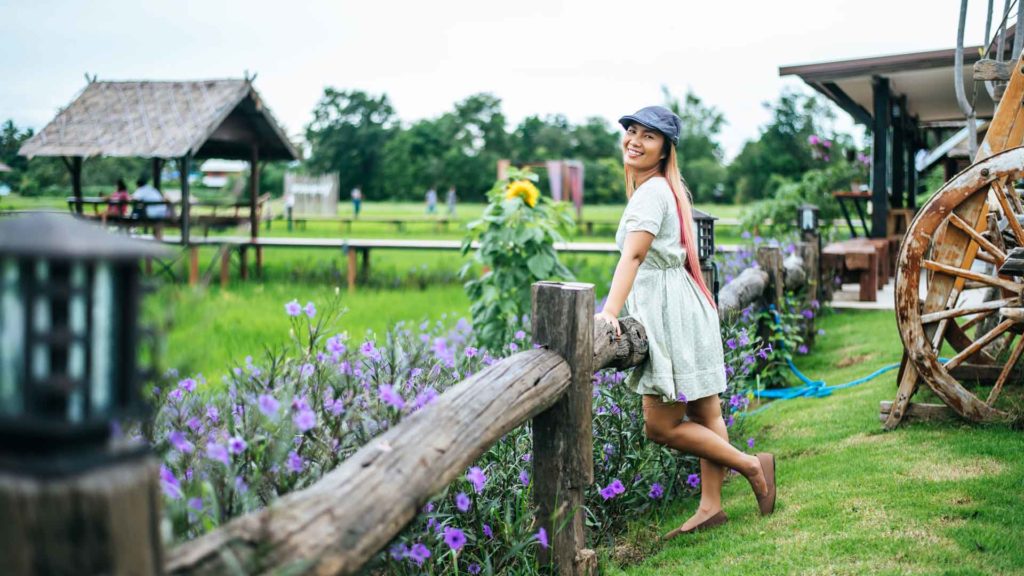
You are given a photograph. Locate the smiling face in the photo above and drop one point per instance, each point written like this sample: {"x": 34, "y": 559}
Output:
{"x": 642, "y": 147}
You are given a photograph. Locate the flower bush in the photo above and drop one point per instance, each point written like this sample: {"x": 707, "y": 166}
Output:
{"x": 517, "y": 233}
{"x": 277, "y": 423}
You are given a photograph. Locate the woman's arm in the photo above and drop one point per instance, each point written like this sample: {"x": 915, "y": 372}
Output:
{"x": 634, "y": 250}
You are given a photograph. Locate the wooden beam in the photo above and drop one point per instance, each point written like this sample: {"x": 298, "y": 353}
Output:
{"x": 993, "y": 71}
{"x": 919, "y": 412}
{"x": 847, "y": 104}
{"x": 184, "y": 166}
{"x": 899, "y": 143}
{"x": 880, "y": 157}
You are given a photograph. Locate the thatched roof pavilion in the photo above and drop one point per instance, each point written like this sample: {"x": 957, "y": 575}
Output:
{"x": 4, "y": 167}
{"x": 178, "y": 121}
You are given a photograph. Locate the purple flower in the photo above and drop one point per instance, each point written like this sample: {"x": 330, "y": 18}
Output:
{"x": 306, "y": 371}
{"x": 237, "y": 445}
{"x": 608, "y": 450}
{"x": 370, "y": 351}
{"x": 474, "y": 568}
{"x": 750, "y": 442}
{"x": 418, "y": 553}
{"x": 487, "y": 531}
{"x": 802, "y": 349}
{"x": 607, "y": 493}
{"x": 196, "y": 504}
{"x": 617, "y": 486}
{"x": 764, "y": 352}
{"x": 462, "y": 502}
{"x": 477, "y": 478}
{"x": 295, "y": 462}
{"x": 188, "y": 385}
{"x": 304, "y": 420}
{"x": 398, "y": 551}
{"x": 454, "y": 538}
{"x": 527, "y": 457}
{"x": 542, "y": 538}
{"x": 808, "y": 314}
{"x": 175, "y": 395}
{"x": 213, "y": 414}
{"x": 268, "y": 405}
{"x": 821, "y": 331}
{"x": 240, "y": 485}
{"x": 293, "y": 308}
{"x": 310, "y": 309}
{"x": 744, "y": 338}
{"x": 731, "y": 343}
{"x": 745, "y": 235}
{"x": 389, "y": 396}
{"x": 169, "y": 483}
{"x": 335, "y": 345}
{"x": 218, "y": 452}
{"x": 519, "y": 335}
{"x": 681, "y": 397}
{"x": 425, "y": 397}
{"x": 657, "y": 491}
{"x": 470, "y": 351}
{"x": 693, "y": 480}
{"x": 729, "y": 421}
{"x": 513, "y": 346}
{"x": 524, "y": 478}
{"x": 335, "y": 408}
{"x": 179, "y": 442}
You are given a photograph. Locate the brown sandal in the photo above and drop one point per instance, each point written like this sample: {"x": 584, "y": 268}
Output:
{"x": 767, "y": 502}
{"x": 717, "y": 520}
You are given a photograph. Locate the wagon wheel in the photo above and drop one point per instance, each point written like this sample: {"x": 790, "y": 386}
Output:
{"x": 951, "y": 254}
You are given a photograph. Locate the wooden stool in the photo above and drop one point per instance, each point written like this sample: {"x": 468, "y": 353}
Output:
{"x": 860, "y": 258}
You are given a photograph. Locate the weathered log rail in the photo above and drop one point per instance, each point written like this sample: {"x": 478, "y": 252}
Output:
{"x": 340, "y": 523}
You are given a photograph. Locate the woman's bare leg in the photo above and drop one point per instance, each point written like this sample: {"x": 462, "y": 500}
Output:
{"x": 705, "y": 436}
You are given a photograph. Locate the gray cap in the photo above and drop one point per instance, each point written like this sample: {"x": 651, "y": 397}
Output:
{"x": 656, "y": 118}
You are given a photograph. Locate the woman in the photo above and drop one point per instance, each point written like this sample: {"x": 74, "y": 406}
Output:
{"x": 117, "y": 204}
{"x": 658, "y": 281}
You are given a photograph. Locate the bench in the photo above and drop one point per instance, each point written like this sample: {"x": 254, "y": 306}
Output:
{"x": 300, "y": 222}
{"x": 863, "y": 259}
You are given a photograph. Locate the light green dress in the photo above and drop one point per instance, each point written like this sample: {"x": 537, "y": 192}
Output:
{"x": 686, "y": 358}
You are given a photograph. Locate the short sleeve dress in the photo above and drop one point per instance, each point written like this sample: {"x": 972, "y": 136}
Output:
{"x": 685, "y": 361}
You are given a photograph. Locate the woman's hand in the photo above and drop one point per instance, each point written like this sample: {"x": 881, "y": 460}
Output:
{"x": 611, "y": 319}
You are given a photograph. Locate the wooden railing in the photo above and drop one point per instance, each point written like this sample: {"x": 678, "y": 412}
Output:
{"x": 342, "y": 521}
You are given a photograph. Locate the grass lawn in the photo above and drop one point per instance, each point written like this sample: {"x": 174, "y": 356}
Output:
{"x": 925, "y": 499}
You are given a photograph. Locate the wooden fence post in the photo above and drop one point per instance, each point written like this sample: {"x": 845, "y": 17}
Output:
{"x": 769, "y": 259}
{"x": 563, "y": 445}
{"x": 101, "y": 521}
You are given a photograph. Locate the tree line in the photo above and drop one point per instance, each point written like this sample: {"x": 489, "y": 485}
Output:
{"x": 359, "y": 136}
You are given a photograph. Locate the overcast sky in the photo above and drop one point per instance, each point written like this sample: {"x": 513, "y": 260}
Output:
{"x": 574, "y": 57}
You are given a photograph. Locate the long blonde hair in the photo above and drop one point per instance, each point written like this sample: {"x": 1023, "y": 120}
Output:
{"x": 684, "y": 208}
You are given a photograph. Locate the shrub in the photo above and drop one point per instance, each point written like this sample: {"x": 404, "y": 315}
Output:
{"x": 277, "y": 424}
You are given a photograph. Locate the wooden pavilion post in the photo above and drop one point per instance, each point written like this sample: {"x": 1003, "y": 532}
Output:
{"x": 157, "y": 168}
{"x": 880, "y": 157}
{"x": 912, "y": 162}
{"x": 75, "y": 167}
{"x": 563, "y": 445}
{"x": 254, "y": 193}
{"x": 184, "y": 166}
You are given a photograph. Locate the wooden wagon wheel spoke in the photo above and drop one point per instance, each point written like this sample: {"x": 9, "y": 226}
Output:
{"x": 989, "y": 247}
{"x": 958, "y": 312}
{"x": 936, "y": 265}
{"x": 1018, "y": 231}
{"x": 978, "y": 344}
{"x": 1014, "y": 358}
{"x": 971, "y": 275}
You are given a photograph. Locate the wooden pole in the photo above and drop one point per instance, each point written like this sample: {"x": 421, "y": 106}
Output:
{"x": 157, "y": 168}
{"x": 880, "y": 157}
{"x": 563, "y": 456}
{"x": 76, "y": 181}
{"x": 351, "y": 269}
{"x": 254, "y": 194}
{"x": 899, "y": 143}
{"x": 225, "y": 266}
{"x": 193, "y": 265}
{"x": 185, "y": 165}
{"x": 102, "y": 521}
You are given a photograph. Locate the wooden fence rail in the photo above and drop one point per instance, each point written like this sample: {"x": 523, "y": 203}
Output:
{"x": 342, "y": 521}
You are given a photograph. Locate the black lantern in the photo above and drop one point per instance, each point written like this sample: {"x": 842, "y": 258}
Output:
{"x": 69, "y": 303}
{"x": 807, "y": 219}
{"x": 705, "y": 234}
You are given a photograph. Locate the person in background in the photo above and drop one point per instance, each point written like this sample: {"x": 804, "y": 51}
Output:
{"x": 431, "y": 200}
{"x": 357, "y": 201}
{"x": 147, "y": 193}
{"x": 118, "y": 203}
{"x": 451, "y": 199}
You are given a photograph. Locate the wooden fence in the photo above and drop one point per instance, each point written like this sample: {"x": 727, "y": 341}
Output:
{"x": 342, "y": 521}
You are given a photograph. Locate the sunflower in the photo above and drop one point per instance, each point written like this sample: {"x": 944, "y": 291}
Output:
{"x": 523, "y": 189}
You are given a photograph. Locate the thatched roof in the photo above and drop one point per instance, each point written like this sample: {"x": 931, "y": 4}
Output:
{"x": 4, "y": 167}
{"x": 207, "y": 118}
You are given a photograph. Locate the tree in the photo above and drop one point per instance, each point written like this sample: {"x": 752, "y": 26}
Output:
{"x": 348, "y": 134}
{"x": 782, "y": 149}
{"x": 699, "y": 153}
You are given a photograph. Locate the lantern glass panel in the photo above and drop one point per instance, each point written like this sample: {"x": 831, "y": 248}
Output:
{"x": 12, "y": 338}
{"x": 103, "y": 338}
{"x": 76, "y": 344}
{"x": 41, "y": 322}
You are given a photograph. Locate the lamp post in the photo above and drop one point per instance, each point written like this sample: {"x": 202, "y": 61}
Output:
{"x": 82, "y": 500}
{"x": 705, "y": 224}
{"x": 809, "y": 224}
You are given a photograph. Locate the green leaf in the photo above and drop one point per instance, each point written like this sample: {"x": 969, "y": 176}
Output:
{"x": 540, "y": 265}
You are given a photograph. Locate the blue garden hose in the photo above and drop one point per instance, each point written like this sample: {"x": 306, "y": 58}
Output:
{"x": 810, "y": 388}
